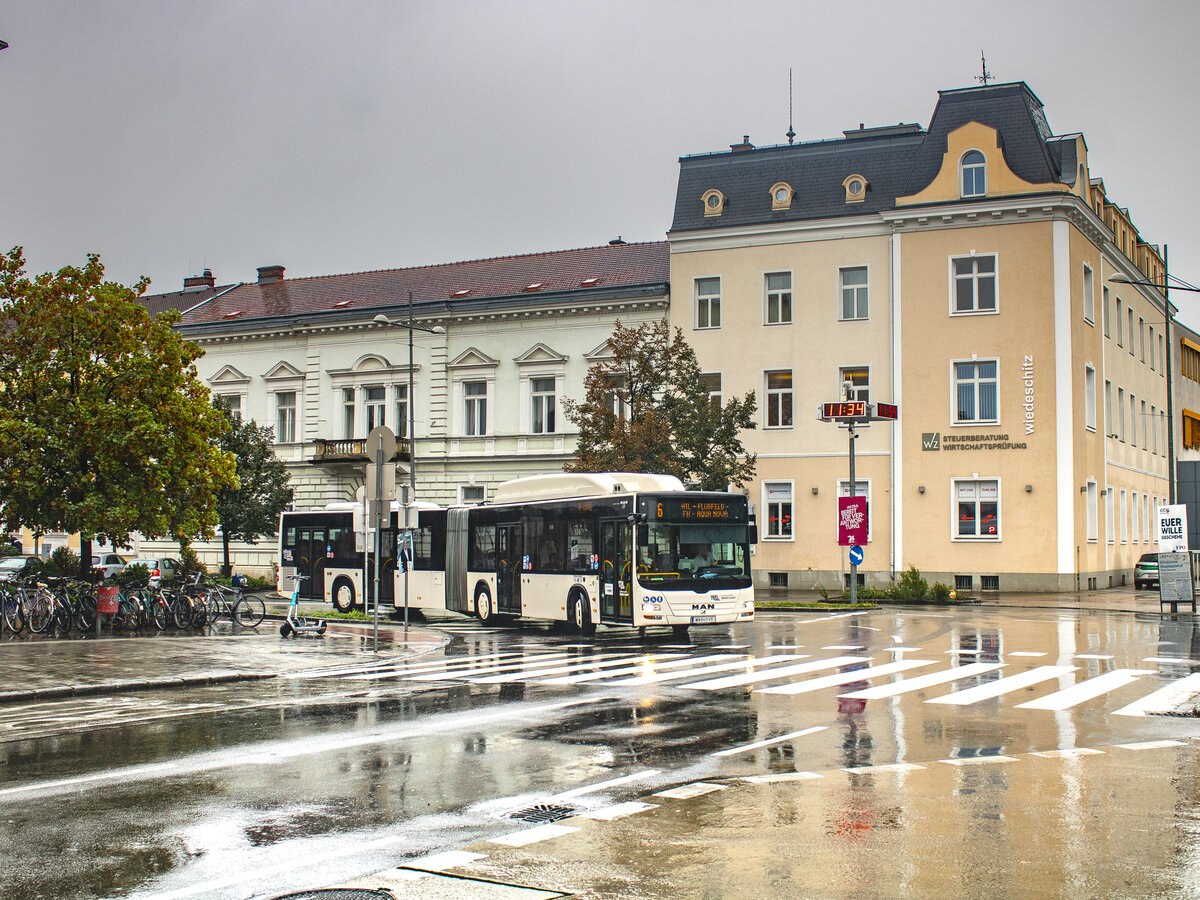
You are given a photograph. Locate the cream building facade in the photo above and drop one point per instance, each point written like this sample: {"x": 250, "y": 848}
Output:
{"x": 962, "y": 272}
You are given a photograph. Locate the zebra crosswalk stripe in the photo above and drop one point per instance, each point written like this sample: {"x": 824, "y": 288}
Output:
{"x": 1086, "y": 690}
{"x": 716, "y": 684}
{"x": 1003, "y": 686}
{"x": 816, "y": 684}
{"x": 920, "y": 682}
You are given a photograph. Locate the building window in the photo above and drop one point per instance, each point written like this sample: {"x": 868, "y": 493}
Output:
{"x": 472, "y": 493}
{"x": 1133, "y": 421}
{"x": 714, "y": 202}
{"x": 401, "y": 428}
{"x": 978, "y": 509}
{"x": 1109, "y": 516}
{"x": 1089, "y": 398}
{"x": 779, "y": 399}
{"x": 975, "y": 389}
{"x": 1120, "y": 413}
{"x": 375, "y": 405}
{"x": 854, "y": 292}
{"x": 974, "y": 174}
{"x": 1093, "y": 512}
{"x": 708, "y": 302}
{"x": 1089, "y": 295}
{"x": 285, "y": 417}
{"x": 779, "y": 298}
{"x": 856, "y": 188}
{"x": 710, "y": 383}
{"x": 859, "y": 378}
{"x": 974, "y": 284}
{"x": 1191, "y": 430}
{"x": 1146, "y": 516}
{"x": 1151, "y": 348}
{"x": 1135, "y": 521}
{"x": 1105, "y": 313}
{"x": 1124, "y": 518}
{"x": 475, "y": 407}
{"x": 348, "y": 413}
{"x": 777, "y": 496}
{"x": 541, "y": 392}
{"x": 1129, "y": 316}
{"x": 1152, "y": 424}
{"x": 232, "y": 404}
{"x": 1108, "y": 419}
{"x": 781, "y": 195}
{"x": 615, "y": 399}
{"x": 1142, "y": 338}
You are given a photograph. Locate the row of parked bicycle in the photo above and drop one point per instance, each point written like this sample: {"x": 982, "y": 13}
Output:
{"x": 58, "y": 605}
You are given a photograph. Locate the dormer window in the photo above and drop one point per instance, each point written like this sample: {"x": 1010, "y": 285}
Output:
{"x": 534, "y": 287}
{"x": 781, "y": 195}
{"x": 856, "y": 188}
{"x": 342, "y": 304}
{"x": 714, "y": 202}
{"x": 461, "y": 293}
{"x": 590, "y": 281}
{"x": 974, "y": 174}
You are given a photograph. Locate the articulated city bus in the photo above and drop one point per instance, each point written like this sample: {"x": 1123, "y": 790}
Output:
{"x": 612, "y": 548}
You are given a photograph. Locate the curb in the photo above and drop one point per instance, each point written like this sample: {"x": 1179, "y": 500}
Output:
{"x": 123, "y": 687}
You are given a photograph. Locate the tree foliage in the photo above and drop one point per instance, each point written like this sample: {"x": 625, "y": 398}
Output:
{"x": 105, "y": 428}
{"x": 646, "y": 409}
{"x": 250, "y": 508}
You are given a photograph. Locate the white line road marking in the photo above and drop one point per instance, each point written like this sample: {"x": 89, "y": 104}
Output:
{"x": 1003, "y": 686}
{"x": 530, "y": 662}
{"x": 1151, "y": 745}
{"x": 965, "y": 651}
{"x": 1093, "y": 656}
{"x": 921, "y": 682}
{"x": 1026, "y": 653}
{"x": 979, "y": 760}
{"x": 619, "y": 811}
{"x": 605, "y": 785}
{"x": 589, "y": 665}
{"x": 751, "y": 663}
{"x": 904, "y": 649}
{"x": 783, "y": 776}
{"x": 888, "y": 767}
{"x": 1069, "y": 753}
{"x": 1086, "y": 690}
{"x": 532, "y": 835}
{"x": 688, "y": 791}
{"x": 452, "y": 663}
{"x": 767, "y": 743}
{"x": 635, "y": 670}
{"x": 440, "y": 862}
{"x": 716, "y": 684}
{"x": 844, "y": 647}
{"x": 1164, "y": 699}
{"x": 816, "y": 684}
{"x": 830, "y": 618}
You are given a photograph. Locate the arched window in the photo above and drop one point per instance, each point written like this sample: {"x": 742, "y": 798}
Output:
{"x": 974, "y": 174}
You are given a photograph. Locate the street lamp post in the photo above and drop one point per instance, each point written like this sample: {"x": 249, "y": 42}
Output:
{"x": 412, "y": 326}
{"x": 1166, "y": 287}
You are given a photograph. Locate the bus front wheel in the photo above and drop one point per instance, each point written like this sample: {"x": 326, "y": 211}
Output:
{"x": 343, "y": 595}
{"x": 581, "y": 616}
{"x": 483, "y": 605}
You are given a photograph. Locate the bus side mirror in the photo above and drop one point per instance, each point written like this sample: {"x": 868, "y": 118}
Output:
{"x": 643, "y": 535}
{"x": 753, "y": 532}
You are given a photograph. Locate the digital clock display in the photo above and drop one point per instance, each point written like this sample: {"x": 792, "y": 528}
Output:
{"x": 845, "y": 409}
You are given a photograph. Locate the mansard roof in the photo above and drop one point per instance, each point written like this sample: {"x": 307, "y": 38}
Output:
{"x": 896, "y": 161}
{"x": 513, "y": 279}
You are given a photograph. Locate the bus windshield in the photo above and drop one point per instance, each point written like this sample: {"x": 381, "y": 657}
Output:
{"x": 697, "y": 555}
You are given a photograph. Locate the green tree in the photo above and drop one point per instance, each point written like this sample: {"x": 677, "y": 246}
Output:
{"x": 105, "y": 428}
{"x": 646, "y": 409}
{"x": 251, "y": 508}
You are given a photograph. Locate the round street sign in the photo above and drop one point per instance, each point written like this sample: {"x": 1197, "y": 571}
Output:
{"x": 381, "y": 438}
{"x": 856, "y": 555}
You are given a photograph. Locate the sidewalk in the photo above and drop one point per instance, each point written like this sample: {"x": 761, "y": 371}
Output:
{"x": 43, "y": 669}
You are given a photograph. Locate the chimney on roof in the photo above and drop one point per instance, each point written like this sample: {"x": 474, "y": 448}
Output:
{"x": 200, "y": 282}
{"x": 270, "y": 274}
{"x": 615, "y": 241}
{"x": 744, "y": 145}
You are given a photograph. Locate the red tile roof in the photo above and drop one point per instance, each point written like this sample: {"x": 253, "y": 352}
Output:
{"x": 615, "y": 265}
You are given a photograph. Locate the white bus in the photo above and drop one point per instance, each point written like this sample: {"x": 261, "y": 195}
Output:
{"x": 614, "y": 549}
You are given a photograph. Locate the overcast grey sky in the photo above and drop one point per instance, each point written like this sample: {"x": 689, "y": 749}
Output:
{"x": 338, "y": 137}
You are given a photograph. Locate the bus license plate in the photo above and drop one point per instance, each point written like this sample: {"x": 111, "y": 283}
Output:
{"x": 703, "y": 620}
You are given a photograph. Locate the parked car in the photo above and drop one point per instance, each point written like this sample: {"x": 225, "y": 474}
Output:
{"x": 107, "y": 564}
{"x": 1145, "y": 571}
{"x": 13, "y": 567}
{"x": 159, "y": 567}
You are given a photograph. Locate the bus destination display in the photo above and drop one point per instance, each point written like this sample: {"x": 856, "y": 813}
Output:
{"x": 706, "y": 510}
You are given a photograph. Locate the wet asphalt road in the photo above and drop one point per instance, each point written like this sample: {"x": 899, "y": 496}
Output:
{"x": 1039, "y": 773}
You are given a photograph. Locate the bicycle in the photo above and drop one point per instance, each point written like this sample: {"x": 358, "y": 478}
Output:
{"x": 241, "y": 609}
{"x": 12, "y": 612}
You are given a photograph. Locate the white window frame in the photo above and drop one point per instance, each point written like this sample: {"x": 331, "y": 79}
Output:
{"x": 978, "y": 174}
{"x": 955, "y": 535}
{"x": 954, "y": 383}
{"x": 1121, "y": 414}
{"x": 862, "y": 294}
{"x": 719, "y": 393}
{"x": 709, "y": 302}
{"x": 1089, "y": 397}
{"x": 779, "y": 297}
{"x": 1110, "y": 499}
{"x": 862, "y": 488}
{"x": 1146, "y": 519}
{"x": 471, "y": 489}
{"x": 400, "y": 401}
{"x": 767, "y": 535}
{"x": 1089, "y": 295}
{"x": 1135, "y": 519}
{"x": 375, "y": 407}
{"x": 775, "y": 397}
{"x": 1124, "y": 518}
{"x": 349, "y": 407}
{"x": 1108, "y": 407}
{"x": 1105, "y": 312}
{"x": 235, "y": 403}
{"x": 471, "y": 406}
{"x": 280, "y": 419}
{"x": 974, "y": 278}
{"x": 1093, "y": 512}
{"x": 545, "y": 402}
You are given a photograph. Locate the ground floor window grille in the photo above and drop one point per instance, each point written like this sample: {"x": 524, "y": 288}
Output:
{"x": 963, "y": 582}
{"x": 779, "y": 579}
{"x": 989, "y": 582}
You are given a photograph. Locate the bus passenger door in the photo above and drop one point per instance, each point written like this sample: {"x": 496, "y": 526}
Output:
{"x": 616, "y": 570}
{"x": 310, "y": 561}
{"x": 509, "y": 564}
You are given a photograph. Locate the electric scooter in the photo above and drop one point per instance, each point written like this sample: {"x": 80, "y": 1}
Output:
{"x": 295, "y": 623}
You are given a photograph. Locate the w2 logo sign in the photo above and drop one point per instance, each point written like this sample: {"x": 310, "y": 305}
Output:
{"x": 931, "y": 440}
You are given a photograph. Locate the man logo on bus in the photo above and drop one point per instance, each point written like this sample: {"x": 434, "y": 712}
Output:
{"x": 703, "y": 607}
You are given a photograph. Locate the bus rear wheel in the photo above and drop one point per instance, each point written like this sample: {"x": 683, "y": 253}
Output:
{"x": 343, "y": 595}
{"x": 483, "y": 606}
{"x": 580, "y": 612}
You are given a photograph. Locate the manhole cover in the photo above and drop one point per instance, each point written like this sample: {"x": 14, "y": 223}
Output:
{"x": 339, "y": 894}
{"x": 541, "y": 813}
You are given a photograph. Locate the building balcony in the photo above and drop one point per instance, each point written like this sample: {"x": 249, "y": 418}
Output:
{"x": 352, "y": 452}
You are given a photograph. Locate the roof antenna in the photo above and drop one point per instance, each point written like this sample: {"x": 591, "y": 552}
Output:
{"x": 791, "y": 132}
{"x": 986, "y": 76}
